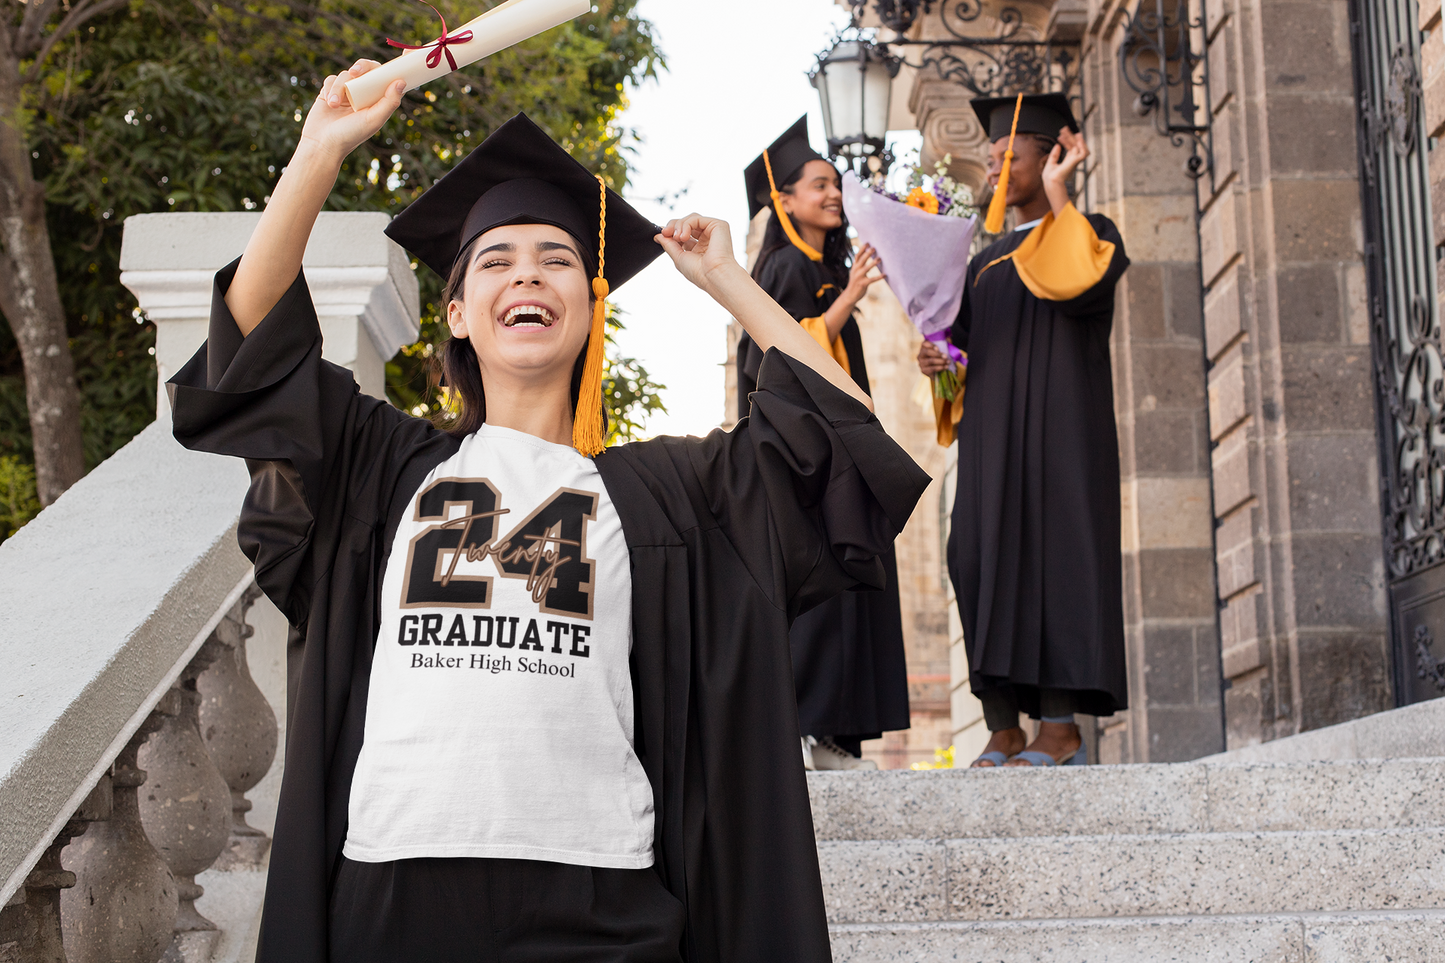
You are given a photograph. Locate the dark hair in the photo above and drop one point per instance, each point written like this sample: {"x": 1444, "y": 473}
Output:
{"x": 837, "y": 251}
{"x": 457, "y": 367}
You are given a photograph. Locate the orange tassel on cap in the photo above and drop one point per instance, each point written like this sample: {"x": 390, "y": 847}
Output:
{"x": 997, "y": 207}
{"x": 813, "y": 253}
{"x": 587, "y": 431}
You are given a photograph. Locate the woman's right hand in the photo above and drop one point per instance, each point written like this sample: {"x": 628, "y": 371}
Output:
{"x": 930, "y": 360}
{"x": 338, "y": 130}
{"x": 858, "y": 280}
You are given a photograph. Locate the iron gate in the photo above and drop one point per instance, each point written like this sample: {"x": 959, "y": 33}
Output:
{"x": 1405, "y": 336}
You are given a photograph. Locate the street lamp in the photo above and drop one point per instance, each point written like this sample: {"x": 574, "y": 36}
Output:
{"x": 854, "y": 80}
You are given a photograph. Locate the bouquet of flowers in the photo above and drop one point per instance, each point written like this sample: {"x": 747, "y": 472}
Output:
{"x": 922, "y": 236}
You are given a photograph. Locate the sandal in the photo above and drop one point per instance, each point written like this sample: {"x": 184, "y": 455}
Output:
{"x": 1042, "y": 759}
{"x": 995, "y": 757}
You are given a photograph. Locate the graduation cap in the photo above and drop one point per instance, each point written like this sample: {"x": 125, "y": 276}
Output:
{"x": 1002, "y": 117}
{"x": 519, "y": 175}
{"x": 777, "y": 165}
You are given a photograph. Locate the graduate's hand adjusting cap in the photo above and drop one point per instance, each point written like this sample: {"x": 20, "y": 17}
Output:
{"x": 787, "y": 155}
{"x": 1045, "y": 114}
{"x": 519, "y": 175}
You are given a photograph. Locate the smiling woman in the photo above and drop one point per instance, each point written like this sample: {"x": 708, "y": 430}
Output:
{"x": 586, "y": 791}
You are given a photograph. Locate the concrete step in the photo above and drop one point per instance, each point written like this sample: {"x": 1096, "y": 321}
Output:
{"x": 1210, "y": 797}
{"x": 1416, "y": 936}
{"x": 1183, "y": 874}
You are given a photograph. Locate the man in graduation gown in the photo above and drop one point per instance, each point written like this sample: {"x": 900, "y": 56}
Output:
{"x": 729, "y": 537}
{"x": 1034, "y": 550}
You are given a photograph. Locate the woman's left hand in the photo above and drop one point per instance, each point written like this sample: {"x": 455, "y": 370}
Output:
{"x": 699, "y": 246}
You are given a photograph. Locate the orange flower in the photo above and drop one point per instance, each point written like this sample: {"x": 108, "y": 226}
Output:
{"x": 923, "y": 200}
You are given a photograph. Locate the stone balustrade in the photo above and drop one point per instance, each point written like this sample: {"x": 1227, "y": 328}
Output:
{"x": 139, "y": 756}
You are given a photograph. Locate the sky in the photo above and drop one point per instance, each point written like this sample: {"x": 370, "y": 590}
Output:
{"x": 736, "y": 79}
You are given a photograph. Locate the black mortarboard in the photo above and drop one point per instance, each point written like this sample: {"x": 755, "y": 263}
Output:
{"x": 1045, "y": 114}
{"x": 519, "y": 175}
{"x": 787, "y": 154}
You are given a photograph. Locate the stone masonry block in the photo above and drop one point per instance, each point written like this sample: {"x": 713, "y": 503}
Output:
{"x": 1339, "y": 580}
{"x": 1310, "y": 304}
{"x": 1219, "y": 236}
{"x": 1223, "y": 315}
{"x": 1222, "y": 66}
{"x": 1306, "y": 46}
{"x": 1181, "y": 733}
{"x": 1169, "y": 441}
{"x": 1176, "y": 583}
{"x": 1169, "y": 666}
{"x": 1437, "y": 191}
{"x": 1317, "y": 220}
{"x": 1243, "y": 651}
{"x": 1357, "y": 305}
{"x": 1334, "y": 483}
{"x": 1328, "y": 389}
{"x": 1230, "y": 460}
{"x": 1143, "y": 297}
{"x": 1310, "y": 134}
{"x": 1154, "y": 163}
{"x": 1173, "y": 512}
{"x": 1343, "y": 676}
{"x": 1228, "y": 402}
{"x": 1168, "y": 376}
{"x": 1429, "y": 14}
{"x": 1181, "y": 283}
{"x": 1159, "y": 227}
{"x": 1433, "y": 103}
{"x": 1432, "y": 63}
{"x": 1248, "y": 709}
{"x": 1238, "y": 552}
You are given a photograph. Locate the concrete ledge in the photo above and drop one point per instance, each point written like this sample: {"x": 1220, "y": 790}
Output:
{"x": 1201, "y": 874}
{"x": 1417, "y": 936}
{"x": 113, "y": 588}
{"x": 1412, "y": 732}
{"x": 1140, "y": 799}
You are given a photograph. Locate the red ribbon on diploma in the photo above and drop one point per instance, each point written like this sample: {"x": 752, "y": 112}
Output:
{"x": 441, "y": 43}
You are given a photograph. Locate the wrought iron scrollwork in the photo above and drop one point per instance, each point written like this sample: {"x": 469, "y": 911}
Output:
{"x": 1007, "y": 61}
{"x": 1430, "y": 668}
{"x": 1171, "y": 78}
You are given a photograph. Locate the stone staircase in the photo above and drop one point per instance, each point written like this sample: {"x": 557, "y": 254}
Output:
{"x": 1266, "y": 862}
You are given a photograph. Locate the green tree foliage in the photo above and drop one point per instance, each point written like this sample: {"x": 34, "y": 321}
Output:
{"x": 187, "y": 105}
{"x": 18, "y": 502}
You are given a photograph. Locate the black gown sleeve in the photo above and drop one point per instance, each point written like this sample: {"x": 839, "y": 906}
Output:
{"x": 809, "y": 490}
{"x": 312, "y": 441}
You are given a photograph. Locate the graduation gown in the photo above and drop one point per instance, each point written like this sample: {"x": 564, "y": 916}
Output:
{"x": 1034, "y": 548}
{"x": 729, "y": 536}
{"x": 849, "y": 667}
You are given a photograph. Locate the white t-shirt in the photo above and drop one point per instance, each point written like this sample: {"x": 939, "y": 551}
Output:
{"x": 499, "y": 722}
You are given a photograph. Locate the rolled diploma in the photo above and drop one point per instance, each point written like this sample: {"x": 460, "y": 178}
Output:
{"x": 495, "y": 30}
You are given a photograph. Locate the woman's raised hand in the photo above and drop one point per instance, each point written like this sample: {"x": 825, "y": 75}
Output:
{"x": 1063, "y": 160}
{"x": 332, "y": 125}
{"x": 699, "y": 246}
{"x": 858, "y": 280}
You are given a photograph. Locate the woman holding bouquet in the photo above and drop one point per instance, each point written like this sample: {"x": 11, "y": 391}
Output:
{"x": 525, "y": 658}
{"x": 849, "y": 668}
{"x": 1034, "y": 550}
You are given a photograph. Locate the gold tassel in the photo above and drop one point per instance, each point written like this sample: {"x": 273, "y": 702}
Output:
{"x": 999, "y": 205}
{"x": 587, "y": 433}
{"x": 813, "y": 253}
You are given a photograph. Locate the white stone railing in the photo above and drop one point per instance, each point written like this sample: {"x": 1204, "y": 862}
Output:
{"x": 132, "y": 726}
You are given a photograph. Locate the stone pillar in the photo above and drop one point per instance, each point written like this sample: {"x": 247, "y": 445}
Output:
{"x": 1137, "y": 178}
{"x": 1290, "y": 391}
{"x": 363, "y": 285}
{"x": 239, "y": 728}
{"x": 1432, "y": 85}
{"x": 123, "y": 906}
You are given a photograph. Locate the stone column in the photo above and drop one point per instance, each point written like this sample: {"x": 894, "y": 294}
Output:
{"x": 123, "y": 906}
{"x": 1137, "y": 178}
{"x": 363, "y": 285}
{"x": 1290, "y": 392}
